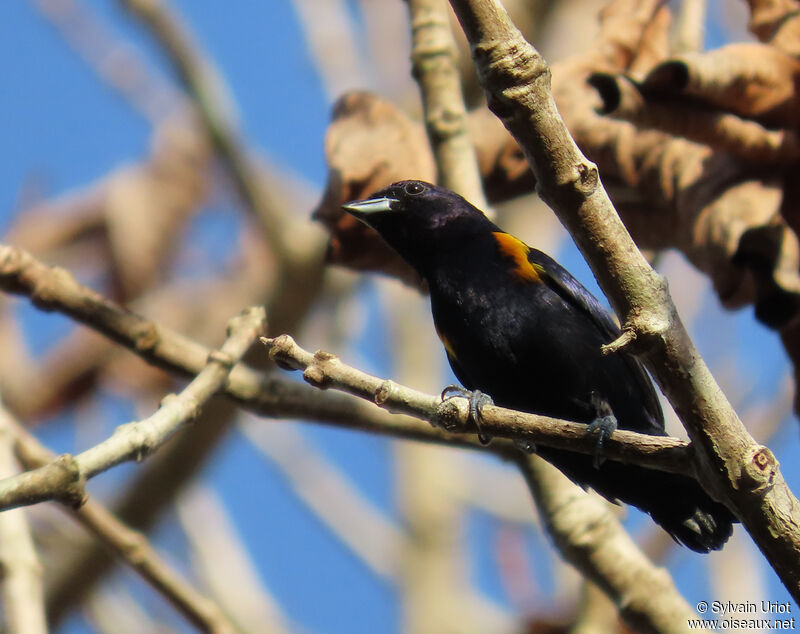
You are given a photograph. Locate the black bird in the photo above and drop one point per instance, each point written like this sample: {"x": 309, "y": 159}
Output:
{"x": 518, "y": 327}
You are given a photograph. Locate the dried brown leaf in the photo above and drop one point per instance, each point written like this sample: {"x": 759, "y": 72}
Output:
{"x": 369, "y": 145}
{"x": 777, "y": 22}
{"x": 752, "y": 80}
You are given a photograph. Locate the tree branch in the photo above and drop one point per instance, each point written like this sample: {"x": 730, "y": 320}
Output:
{"x": 53, "y": 288}
{"x": 274, "y": 397}
{"x": 736, "y": 468}
{"x": 130, "y": 545}
{"x": 589, "y": 536}
{"x": 570, "y": 514}
{"x": 20, "y": 568}
{"x": 372, "y": 537}
{"x": 208, "y": 92}
{"x": 324, "y": 370}
{"x": 57, "y": 290}
{"x": 433, "y": 59}
{"x": 64, "y": 478}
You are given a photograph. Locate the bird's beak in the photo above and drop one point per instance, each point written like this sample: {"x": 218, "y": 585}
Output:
{"x": 363, "y": 208}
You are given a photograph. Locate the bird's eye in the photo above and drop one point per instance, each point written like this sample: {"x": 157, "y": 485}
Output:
{"x": 414, "y": 188}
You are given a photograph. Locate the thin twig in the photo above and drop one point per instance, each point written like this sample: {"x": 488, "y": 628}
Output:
{"x": 131, "y": 546}
{"x": 117, "y": 64}
{"x": 64, "y": 478}
{"x": 325, "y": 370}
{"x": 223, "y": 562}
{"x": 333, "y": 38}
{"x": 690, "y": 27}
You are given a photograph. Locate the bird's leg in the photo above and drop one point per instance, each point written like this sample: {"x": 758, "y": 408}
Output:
{"x": 603, "y": 425}
{"x": 477, "y": 401}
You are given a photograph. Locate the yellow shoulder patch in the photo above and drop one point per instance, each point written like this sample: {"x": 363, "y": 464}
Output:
{"x": 445, "y": 342}
{"x": 518, "y": 251}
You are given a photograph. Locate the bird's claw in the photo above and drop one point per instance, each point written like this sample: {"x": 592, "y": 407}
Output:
{"x": 603, "y": 426}
{"x": 477, "y": 401}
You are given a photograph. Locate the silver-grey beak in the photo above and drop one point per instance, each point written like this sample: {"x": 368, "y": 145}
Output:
{"x": 363, "y": 208}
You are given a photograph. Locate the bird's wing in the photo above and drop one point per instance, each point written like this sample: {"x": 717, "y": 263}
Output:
{"x": 560, "y": 281}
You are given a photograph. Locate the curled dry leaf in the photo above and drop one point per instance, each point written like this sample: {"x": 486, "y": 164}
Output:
{"x": 370, "y": 144}
{"x": 776, "y": 22}
{"x": 623, "y": 99}
{"x": 752, "y": 80}
{"x": 634, "y": 35}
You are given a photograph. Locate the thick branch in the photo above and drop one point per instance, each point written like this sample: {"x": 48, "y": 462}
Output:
{"x": 589, "y": 536}
{"x": 731, "y": 463}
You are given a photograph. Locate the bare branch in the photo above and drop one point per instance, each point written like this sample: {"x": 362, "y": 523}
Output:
{"x": 20, "y": 569}
{"x": 53, "y": 288}
{"x": 273, "y": 397}
{"x": 134, "y": 441}
{"x": 333, "y": 41}
{"x": 324, "y": 370}
{"x": 690, "y": 26}
{"x": 591, "y": 538}
{"x": 129, "y": 545}
{"x": 735, "y": 467}
{"x": 364, "y": 529}
{"x": 433, "y": 58}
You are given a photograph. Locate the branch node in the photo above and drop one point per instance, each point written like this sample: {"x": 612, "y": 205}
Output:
{"x": 588, "y": 177}
{"x": 145, "y": 336}
{"x": 449, "y": 416}
{"x": 759, "y": 471}
{"x": 626, "y": 338}
{"x": 222, "y": 358}
{"x": 314, "y": 375}
{"x": 73, "y": 492}
{"x": 280, "y": 351}
{"x": 47, "y": 289}
{"x": 138, "y": 436}
{"x": 384, "y": 392}
{"x": 259, "y": 312}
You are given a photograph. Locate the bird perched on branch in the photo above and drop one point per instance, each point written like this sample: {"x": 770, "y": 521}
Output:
{"x": 519, "y": 328}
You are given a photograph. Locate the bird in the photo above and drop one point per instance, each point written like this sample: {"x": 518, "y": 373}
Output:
{"x": 520, "y": 331}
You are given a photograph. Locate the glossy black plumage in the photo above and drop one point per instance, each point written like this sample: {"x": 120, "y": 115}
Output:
{"x": 517, "y": 326}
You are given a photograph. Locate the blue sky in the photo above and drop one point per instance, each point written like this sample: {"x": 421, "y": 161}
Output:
{"x": 63, "y": 129}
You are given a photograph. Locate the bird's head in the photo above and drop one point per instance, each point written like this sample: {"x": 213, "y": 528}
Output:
{"x": 417, "y": 218}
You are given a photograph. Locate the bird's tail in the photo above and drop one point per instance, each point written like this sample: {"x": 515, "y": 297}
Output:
{"x": 677, "y": 503}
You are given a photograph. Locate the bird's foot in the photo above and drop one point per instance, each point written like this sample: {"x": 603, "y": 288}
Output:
{"x": 477, "y": 401}
{"x": 604, "y": 424}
